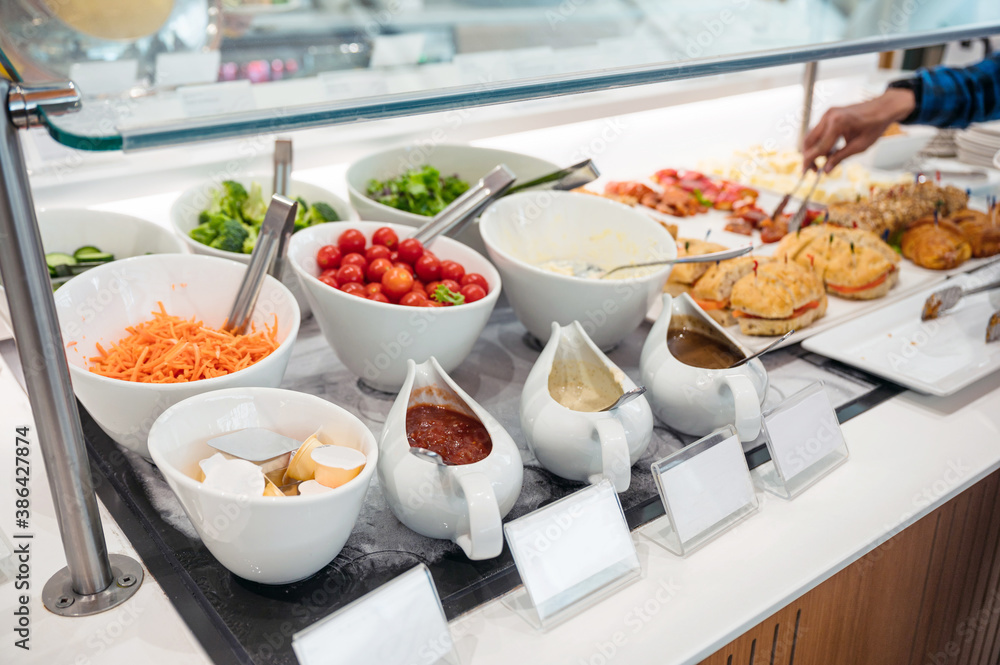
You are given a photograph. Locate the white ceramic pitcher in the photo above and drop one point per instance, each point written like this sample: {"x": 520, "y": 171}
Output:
{"x": 695, "y": 400}
{"x": 583, "y": 445}
{"x": 462, "y": 503}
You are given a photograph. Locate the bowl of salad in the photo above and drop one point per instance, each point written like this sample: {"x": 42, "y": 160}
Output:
{"x": 409, "y": 184}
{"x": 223, "y": 219}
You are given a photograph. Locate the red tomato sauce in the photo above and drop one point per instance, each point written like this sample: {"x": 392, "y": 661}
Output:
{"x": 457, "y": 438}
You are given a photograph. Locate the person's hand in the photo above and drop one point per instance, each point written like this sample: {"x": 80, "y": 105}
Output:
{"x": 860, "y": 125}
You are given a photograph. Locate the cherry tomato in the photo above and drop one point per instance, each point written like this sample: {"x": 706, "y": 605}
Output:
{"x": 385, "y": 236}
{"x": 473, "y": 292}
{"x": 451, "y": 270}
{"x": 377, "y": 252}
{"x": 330, "y": 279}
{"x": 431, "y": 287}
{"x": 396, "y": 283}
{"x": 378, "y": 268}
{"x": 452, "y": 285}
{"x": 328, "y": 257}
{"x": 372, "y": 289}
{"x": 428, "y": 267}
{"x": 405, "y": 266}
{"x": 418, "y": 286}
{"x": 351, "y": 240}
{"x": 410, "y": 250}
{"x": 475, "y": 278}
{"x": 350, "y": 273}
{"x": 378, "y": 297}
{"x": 353, "y": 289}
{"x": 433, "y": 303}
{"x": 413, "y": 299}
{"x": 394, "y": 256}
{"x": 354, "y": 259}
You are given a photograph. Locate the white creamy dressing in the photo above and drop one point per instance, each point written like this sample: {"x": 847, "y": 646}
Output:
{"x": 583, "y": 386}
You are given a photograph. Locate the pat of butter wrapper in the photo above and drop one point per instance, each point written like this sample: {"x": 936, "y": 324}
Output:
{"x": 312, "y": 487}
{"x": 236, "y": 475}
{"x": 336, "y": 465}
{"x": 302, "y": 467}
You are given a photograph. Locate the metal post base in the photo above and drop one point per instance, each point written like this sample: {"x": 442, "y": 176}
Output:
{"x": 59, "y": 597}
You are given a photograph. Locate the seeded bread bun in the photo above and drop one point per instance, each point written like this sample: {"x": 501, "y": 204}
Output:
{"x": 779, "y": 297}
{"x": 689, "y": 273}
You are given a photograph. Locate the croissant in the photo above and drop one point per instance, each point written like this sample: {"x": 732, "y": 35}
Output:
{"x": 978, "y": 229}
{"x": 938, "y": 245}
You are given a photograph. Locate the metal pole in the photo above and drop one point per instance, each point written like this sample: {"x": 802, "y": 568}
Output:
{"x": 808, "y": 86}
{"x": 39, "y": 341}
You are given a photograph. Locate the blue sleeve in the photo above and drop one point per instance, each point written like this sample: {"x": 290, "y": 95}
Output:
{"x": 949, "y": 97}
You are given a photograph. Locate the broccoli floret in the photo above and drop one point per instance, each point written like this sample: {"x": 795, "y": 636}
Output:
{"x": 320, "y": 213}
{"x": 203, "y": 233}
{"x": 254, "y": 207}
{"x": 251, "y": 240}
{"x": 231, "y": 237}
{"x": 235, "y": 191}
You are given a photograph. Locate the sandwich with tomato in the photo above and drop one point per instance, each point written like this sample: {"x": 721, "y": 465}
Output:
{"x": 777, "y": 297}
{"x": 712, "y": 291}
{"x": 852, "y": 263}
{"x": 684, "y": 276}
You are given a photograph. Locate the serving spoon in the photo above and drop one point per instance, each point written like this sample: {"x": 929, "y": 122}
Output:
{"x": 625, "y": 398}
{"x": 429, "y": 455}
{"x": 762, "y": 351}
{"x": 591, "y": 271}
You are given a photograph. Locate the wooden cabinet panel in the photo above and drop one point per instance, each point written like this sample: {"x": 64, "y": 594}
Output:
{"x": 928, "y": 596}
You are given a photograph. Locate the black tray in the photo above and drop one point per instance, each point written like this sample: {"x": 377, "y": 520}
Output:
{"x": 238, "y": 621}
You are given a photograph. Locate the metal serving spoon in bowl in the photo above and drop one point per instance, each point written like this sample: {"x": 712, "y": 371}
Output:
{"x": 429, "y": 455}
{"x": 767, "y": 348}
{"x": 591, "y": 271}
{"x": 626, "y": 397}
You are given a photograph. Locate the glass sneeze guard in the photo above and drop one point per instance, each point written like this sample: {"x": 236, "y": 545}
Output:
{"x": 253, "y": 67}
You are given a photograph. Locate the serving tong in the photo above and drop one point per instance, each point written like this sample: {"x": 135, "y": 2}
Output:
{"x": 941, "y": 301}
{"x": 800, "y": 215}
{"x": 565, "y": 179}
{"x": 467, "y": 206}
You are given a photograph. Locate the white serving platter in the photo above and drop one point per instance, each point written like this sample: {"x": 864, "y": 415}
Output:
{"x": 937, "y": 357}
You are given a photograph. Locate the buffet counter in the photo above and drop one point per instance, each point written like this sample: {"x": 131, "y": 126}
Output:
{"x": 908, "y": 456}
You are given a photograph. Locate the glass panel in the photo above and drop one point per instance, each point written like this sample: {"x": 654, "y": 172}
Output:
{"x": 185, "y": 70}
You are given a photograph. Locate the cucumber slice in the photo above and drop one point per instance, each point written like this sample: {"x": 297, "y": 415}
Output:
{"x": 56, "y": 259}
{"x": 97, "y": 257}
{"x": 86, "y": 249}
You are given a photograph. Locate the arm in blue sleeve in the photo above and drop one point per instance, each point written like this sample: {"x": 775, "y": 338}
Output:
{"x": 950, "y": 97}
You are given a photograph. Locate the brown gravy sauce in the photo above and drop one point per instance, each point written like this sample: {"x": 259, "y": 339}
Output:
{"x": 695, "y": 343}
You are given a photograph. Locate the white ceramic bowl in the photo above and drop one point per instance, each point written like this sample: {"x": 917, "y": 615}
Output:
{"x": 374, "y": 340}
{"x": 896, "y": 151}
{"x": 271, "y": 540}
{"x": 97, "y": 306}
{"x": 68, "y": 229}
{"x": 527, "y": 229}
{"x": 185, "y": 210}
{"x": 469, "y": 162}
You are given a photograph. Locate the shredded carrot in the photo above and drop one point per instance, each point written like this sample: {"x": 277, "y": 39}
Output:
{"x": 169, "y": 349}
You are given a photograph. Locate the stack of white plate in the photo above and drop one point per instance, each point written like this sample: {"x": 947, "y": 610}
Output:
{"x": 979, "y": 143}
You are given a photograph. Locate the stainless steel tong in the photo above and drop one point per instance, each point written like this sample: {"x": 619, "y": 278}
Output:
{"x": 941, "y": 301}
{"x": 467, "y": 206}
{"x": 279, "y": 221}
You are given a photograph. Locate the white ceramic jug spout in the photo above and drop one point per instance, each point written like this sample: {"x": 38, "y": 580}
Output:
{"x": 577, "y": 444}
{"x": 464, "y": 503}
{"x": 697, "y": 400}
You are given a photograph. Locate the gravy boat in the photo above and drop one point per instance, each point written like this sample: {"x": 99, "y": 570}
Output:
{"x": 696, "y": 400}
{"x": 583, "y": 445}
{"x": 462, "y": 503}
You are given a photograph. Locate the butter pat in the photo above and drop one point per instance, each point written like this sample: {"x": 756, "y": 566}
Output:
{"x": 312, "y": 487}
{"x": 336, "y": 465}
